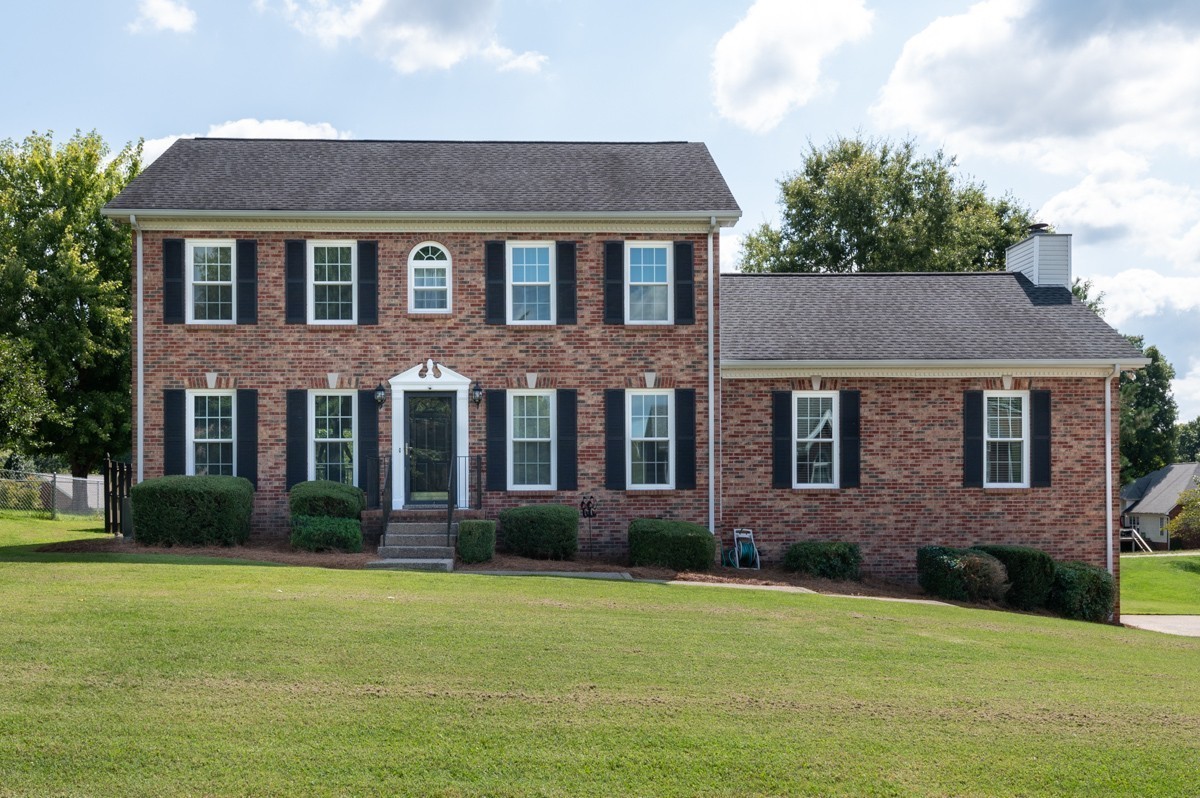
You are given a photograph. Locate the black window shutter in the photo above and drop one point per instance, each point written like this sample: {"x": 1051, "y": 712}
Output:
{"x": 568, "y": 439}
{"x": 368, "y": 282}
{"x": 685, "y": 438}
{"x": 297, "y": 437}
{"x": 614, "y": 439}
{"x": 781, "y": 439}
{"x": 494, "y": 268}
{"x": 972, "y": 439}
{"x": 368, "y": 436}
{"x": 849, "y": 438}
{"x": 296, "y": 276}
{"x": 564, "y": 266}
{"x": 174, "y": 432}
{"x": 247, "y": 432}
{"x": 614, "y": 283}
{"x": 247, "y": 281}
{"x": 173, "y": 292}
{"x": 685, "y": 283}
{"x": 1039, "y": 465}
{"x": 497, "y": 439}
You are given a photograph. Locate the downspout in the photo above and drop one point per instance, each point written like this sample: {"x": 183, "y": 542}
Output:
{"x": 1108, "y": 466}
{"x": 141, "y": 369}
{"x": 712, "y": 460}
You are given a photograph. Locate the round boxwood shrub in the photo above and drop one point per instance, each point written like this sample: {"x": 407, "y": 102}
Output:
{"x": 476, "y": 540}
{"x": 829, "y": 559}
{"x": 192, "y": 511}
{"x": 1030, "y": 574}
{"x": 326, "y": 498}
{"x": 680, "y": 545}
{"x": 543, "y": 531}
{"x": 961, "y": 574}
{"x": 1082, "y": 592}
{"x": 321, "y": 533}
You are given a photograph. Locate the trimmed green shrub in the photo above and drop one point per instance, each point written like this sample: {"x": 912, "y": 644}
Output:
{"x": 1030, "y": 574}
{"x": 830, "y": 559}
{"x": 961, "y": 574}
{"x": 680, "y": 545}
{"x": 325, "y": 498}
{"x": 544, "y": 531}
{"x": 1082, "y": 592}
{"x": 192, "y": 511}
{"x": 322, "y": 533}
{"x": 476, "y": 540}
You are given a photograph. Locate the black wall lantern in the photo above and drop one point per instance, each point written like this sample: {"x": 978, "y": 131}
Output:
{"x": 476, "y": 393}
{"x": 380, "y": 394}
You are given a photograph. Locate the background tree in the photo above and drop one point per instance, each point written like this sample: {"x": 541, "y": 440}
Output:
{"x": 873, "y": 205}
{"x": 1187, "y": 441}
{"x": 1147, "y": 415}
{"x": 23, "y": 400}
{"x": 65, "y": 287}
{"x": 1082, "y": 289}
{"x": 1184, "y": 528}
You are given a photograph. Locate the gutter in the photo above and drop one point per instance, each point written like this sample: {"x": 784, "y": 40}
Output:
{"x": 1108, "y": 468}
{"x": 912, "y": 363}
{"x": 725, "y": 218}
{"x": 141, "y": 363}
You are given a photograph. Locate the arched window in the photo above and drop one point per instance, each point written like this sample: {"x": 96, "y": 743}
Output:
{"x": 429, "y": 280}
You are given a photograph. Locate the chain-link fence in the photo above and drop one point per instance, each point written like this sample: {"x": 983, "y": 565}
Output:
{"x": 50, "y": 495}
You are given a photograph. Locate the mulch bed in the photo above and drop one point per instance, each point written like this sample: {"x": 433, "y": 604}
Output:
{"x": 281, "y": 552}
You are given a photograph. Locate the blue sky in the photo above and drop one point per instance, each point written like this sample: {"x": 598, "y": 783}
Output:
{"x": 1087, "y": 111}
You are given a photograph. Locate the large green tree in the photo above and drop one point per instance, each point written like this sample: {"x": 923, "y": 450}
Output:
{"x": 874, "y": 205}
{"x": 1187, "y": 441}
{"x": 65, "y": 287}
{"x": 1147, "y": 415}
{"x": 23, "y": 399}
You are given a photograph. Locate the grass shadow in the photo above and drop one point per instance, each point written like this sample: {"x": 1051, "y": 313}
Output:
{"x": 28, "y": 553}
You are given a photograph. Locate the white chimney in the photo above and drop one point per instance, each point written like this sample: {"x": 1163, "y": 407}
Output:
{"x": 1044, "y": 258}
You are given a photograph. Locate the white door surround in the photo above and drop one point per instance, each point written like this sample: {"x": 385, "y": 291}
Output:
{"x": 429, "y": 376}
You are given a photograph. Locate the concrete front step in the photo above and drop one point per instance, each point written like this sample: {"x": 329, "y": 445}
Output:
{"x": 410, "y": 564}
{"x": 404, "y": 539}
{"x": 416, "y": 552}
{"x": 419, "y": 528}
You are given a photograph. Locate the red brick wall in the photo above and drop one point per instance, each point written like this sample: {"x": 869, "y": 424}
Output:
{"x": 589, "y": 356}
{"x": 911, "y": 490}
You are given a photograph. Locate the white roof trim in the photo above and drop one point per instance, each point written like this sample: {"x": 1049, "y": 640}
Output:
{"x": 724, "y": 218}
{"x": 918, "y": 369}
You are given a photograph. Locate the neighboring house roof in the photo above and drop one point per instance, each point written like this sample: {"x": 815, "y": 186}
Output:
{"x": 1158, "y": 492}
{"x": 671, "y": 178}
{"x": 908, "y": 316}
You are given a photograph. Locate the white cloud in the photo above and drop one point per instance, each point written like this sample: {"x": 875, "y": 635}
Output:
{"x": 249, "y": 129}
{"x": 1186, "y": 390}
{"x": 411, "y": 35}
{"x": 1137, "y": 293}
{"x": 769, "y": 63}
{"x": 1001, "y": 79}
{"x": 157, "y": 15}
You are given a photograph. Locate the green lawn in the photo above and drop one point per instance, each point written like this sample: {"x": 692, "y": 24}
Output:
{"x": 142, "y": 675}
{"x": 1166, "y": 585}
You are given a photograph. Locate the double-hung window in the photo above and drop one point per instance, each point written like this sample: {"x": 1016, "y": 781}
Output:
{"x": 1006, "y": 439}
{"x": 210, "y": 428}
{"x": 530, "y": 284}
{"x": 429, "y": 279}
{"x": 815, "y": 444}
{"x": 651, "y": 438}
{"x": 332, "y": 274}
{"x": 211, "y": 270}
{"x": 332, "y": 451}
{"x": 648, "y": 295}
{"x": 532, "y": 464}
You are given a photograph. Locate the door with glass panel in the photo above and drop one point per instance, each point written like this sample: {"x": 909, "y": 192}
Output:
{"x": 429, "y": 446}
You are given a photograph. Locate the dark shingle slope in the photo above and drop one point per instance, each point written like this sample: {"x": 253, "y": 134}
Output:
{"x": 908, "y": 316}
{"x": 430, "y": 176}
{"x": 1158, "y": 492}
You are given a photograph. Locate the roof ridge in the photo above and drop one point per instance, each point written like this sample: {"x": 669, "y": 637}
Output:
{"x": 427, "y": 141}
{"x": 876, "y": 274}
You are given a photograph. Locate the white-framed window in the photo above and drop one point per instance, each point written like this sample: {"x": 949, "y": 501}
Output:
{"x": 530, "y": 282}
{"x": 532, "y": 431}
{"x": 650, "y": 441}
{"x": 211, "y": 271}
{"x": 815, "y": 439}
{"x": 332, "y": 276}
{"x": 1006, "y": 439}
{"x": 332, "y": 453}
{"x": 211, "y": 421}
{"x": 429, "y": 279}
{"x": 649, "y": 298}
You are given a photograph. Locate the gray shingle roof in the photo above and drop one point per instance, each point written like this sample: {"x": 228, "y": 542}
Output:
{"x": 909, "y": 316}
{"x": 1157, "y": 493}
{"x": 430, "y": 176}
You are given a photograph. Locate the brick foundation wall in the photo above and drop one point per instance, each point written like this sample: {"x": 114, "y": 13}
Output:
{"x": 589, "y": 356}
{"x": 911, "y": 490}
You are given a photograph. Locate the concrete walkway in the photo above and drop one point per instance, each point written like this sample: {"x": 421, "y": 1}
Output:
{"x": 1184, "y": 625}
